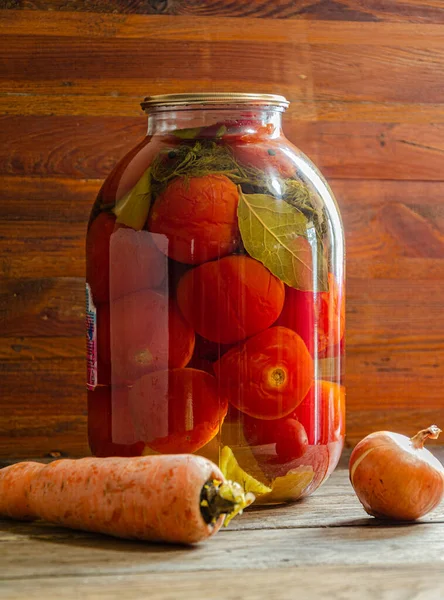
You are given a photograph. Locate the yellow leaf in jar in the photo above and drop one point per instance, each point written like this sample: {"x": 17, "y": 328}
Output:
{"x": 247, "y": 461}
{"x": 147, "y": 451}
{"x": 289, "y": 487}
{"x": 232, "y": 435}
{"x": 234, "y": 472}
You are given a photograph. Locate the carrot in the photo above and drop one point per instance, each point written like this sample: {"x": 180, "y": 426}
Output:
{"x": 15, "y": 482}
{"x": 171, "y": 498}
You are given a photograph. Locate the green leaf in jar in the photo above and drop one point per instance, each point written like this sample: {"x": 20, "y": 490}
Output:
{"x": 133, "y": 208}
{"x": 192, "y": 133}
{"x": 187, "y": 134}
{"x": 279, "y": 235}
{"x": 221, "y": 131}
{"x": 297, "y": 194}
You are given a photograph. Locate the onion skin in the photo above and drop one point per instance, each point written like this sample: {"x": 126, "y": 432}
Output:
{"x": 395, "y": 477}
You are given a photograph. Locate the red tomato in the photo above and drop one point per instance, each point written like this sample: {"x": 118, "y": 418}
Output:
{"x": 315, "y": 457}
{"x": 268, "y": 375}
{"x": 298, "y": 314}
{"x": 270, "y": 156}
{"x": 136, "y": 263}
{"x": 322, "y": 415}
{"x": 322, "y": 412}
{"x": 148, "y": 333}
{"x": 100, "y": 426}
{"x": 97, "y": 255}
{"x": 247, "y": 131}
{"x": 331, "y": 315}
{"x": 303, "y": 311}
{"x": 230, "y": 299}
{"x": 291, "y": 440}
{"x": 246, "y": 128}
{"x": 198, "y": 217}
{"x": 179, "y": 410}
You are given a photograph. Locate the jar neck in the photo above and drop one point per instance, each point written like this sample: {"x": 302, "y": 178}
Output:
{"x": 265, "y": 121}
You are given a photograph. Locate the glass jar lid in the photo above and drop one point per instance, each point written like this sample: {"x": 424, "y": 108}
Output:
{"x": 213, "y": 98}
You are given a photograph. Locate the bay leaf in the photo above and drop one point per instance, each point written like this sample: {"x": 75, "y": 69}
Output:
{"x": 133, "y": 208}
{"x": 187, "y": 134}
{"x": 221, "y": 131}
{"x": 192, "y": 133}
{"x": 279, "y": 235}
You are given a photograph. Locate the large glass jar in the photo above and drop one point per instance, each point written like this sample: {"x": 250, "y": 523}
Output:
{"x": 215, "y": 298}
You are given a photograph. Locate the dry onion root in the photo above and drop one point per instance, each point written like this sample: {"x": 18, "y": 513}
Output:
{"x": 395, "y": 477}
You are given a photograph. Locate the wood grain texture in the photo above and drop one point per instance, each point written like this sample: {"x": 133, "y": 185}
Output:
{"x": 184, "y": 28}
{"x": 42, "y": 307}
{"x": 320, "y": 71}
{"x": 234, "y": 551}
{"x": 364, "y": 79}
{"x": 304, "y": 111}
{"x": 49, "y": 199}
{"x": 336, "y": 583}
{"x": 354, "y": 10}
{"x": 88, "y": 147}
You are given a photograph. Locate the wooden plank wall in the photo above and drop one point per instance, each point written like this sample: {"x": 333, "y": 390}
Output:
{"x": 366, "y": 81}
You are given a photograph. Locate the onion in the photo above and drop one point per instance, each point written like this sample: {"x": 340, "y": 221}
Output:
{"x": 395, "y": 477}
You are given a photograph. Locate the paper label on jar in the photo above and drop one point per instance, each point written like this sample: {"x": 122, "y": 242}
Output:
{"x": 91, "y": 340}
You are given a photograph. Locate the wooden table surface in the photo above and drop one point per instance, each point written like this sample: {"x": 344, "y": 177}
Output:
{"x": 325, "y": 546}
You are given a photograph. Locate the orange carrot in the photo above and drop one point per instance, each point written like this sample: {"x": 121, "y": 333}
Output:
{"x": 171, "y": 498}
{"x": 15, "y": 482}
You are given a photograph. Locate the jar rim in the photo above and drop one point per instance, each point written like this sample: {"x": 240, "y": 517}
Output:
{"x": 214, "y": 98}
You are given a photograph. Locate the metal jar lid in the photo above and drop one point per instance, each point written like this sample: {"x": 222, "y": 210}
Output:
{"x": 213, "y": 98}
